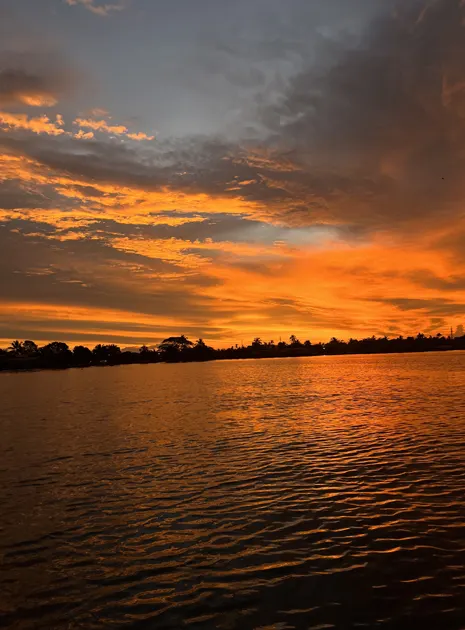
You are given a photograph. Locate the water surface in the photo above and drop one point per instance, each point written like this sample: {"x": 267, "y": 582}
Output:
{"x": 274, "y": 494}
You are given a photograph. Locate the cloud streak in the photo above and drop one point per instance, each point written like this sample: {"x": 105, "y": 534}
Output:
{"x": 98, "y": 8}
{"x": 117, "y": 130}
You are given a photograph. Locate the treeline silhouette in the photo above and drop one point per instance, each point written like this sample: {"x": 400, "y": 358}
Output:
{"x": 23, "y": 355}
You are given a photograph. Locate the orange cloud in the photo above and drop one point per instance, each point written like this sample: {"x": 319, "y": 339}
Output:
{"x": 195, "y": 255}
{"x": 40, "y": 124}
{"x": 44, "y": 125}
{"x": 271, "y": 291}
{"x": 37, "y": 100}
{"x": 104, "y": 127}
{"x": 83, "y": 135}
{"x": 337, "y": 289}
{"x": 120, "y": 203}
{"x": 354, "y": 285}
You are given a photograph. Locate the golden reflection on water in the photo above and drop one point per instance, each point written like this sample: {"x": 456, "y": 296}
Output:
{"x": 235, "y": 494}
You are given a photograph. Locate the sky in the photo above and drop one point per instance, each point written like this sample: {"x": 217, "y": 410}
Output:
{"x": 228, "y": 170}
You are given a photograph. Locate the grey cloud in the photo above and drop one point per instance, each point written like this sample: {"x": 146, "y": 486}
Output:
{"x": 91, "y": 273}
{"x": 434, "y": 307}
{"x": 34, "y": 77}
{"x": 371, "y": 134}
{"x": 385, "y": 115}
{"x": 215, "y": 61}
{"x": 101, "y": 161}
{"x": 90, "y": 191}
{"x": 16, "y": 85}
{"x": 14, "y": 195}
{"x": 431, "y": 281}
{"x": 196, "y": 165}
{"x": 216, "y": 227}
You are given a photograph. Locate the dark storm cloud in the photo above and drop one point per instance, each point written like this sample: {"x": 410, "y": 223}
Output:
{"x": 369, "y": 135}
{"x": 372, "y": 131}
{"x": 386, "y": 115}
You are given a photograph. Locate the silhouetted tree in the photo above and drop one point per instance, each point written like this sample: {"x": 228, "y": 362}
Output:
{"x": 335, "y": 346}
{"x": 99, "y": 353}
{"x": 295, "y": 343}
{"x": 113, "y": 350}
{"x": 16, "y": 348}
{"x": 30, "y": 348}
{"x": 148, "y": 355}
{"x": 201, "y": 352}
{"x": 176, "y": 343}
{"x": 174, "y": 348}
{"x": 57, "y": 353}
{"x": 106, "y": 353}
{"x": 82, "y": 356}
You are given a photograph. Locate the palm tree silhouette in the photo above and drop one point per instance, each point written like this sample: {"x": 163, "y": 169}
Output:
{"x": 16, "y": 347}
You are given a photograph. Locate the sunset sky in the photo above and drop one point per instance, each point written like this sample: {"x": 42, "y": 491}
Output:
{"x": 229, "y": 169}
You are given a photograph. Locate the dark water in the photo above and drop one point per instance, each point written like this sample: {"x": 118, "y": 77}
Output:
{"x": 280, "y": 494}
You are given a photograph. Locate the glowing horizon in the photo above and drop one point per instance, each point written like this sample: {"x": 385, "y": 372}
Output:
{"x": 229, "y": 191}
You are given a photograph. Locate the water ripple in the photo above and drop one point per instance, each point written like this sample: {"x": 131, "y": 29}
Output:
{"x": 270, "y": 495}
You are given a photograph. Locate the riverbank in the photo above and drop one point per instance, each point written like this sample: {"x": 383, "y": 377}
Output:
{"x": 58, "y": 355}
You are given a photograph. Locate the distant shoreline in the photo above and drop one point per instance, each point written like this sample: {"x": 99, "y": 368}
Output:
{"x": 195, "y": 354}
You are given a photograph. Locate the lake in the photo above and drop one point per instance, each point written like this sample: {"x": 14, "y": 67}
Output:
{"x": 276, "y": 494}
